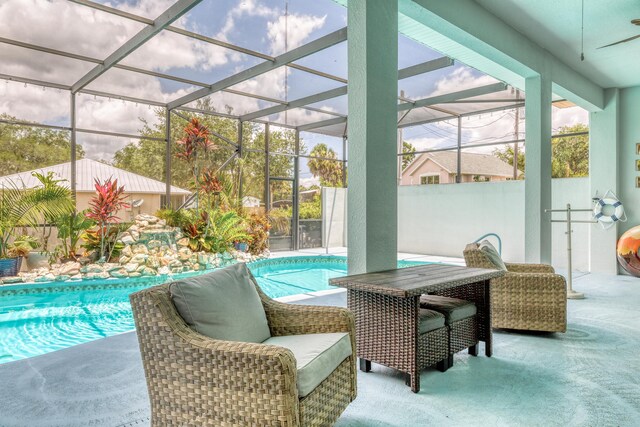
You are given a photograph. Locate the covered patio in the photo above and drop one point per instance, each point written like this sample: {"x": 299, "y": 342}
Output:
{"x": 577, "y": 378}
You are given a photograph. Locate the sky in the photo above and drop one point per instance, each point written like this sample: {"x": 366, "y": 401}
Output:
{"x": 259, "y": 25}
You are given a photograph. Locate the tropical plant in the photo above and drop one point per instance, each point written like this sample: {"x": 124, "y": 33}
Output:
{"x": 280, "y": 220}
{"x": 22, "y": 245}
{"x": 71, "y": 227}
{"x": 326, "y": 166}
{"x": 224, "y": 229}
{"x": 103, "y": 209}
{"x": 103, "y": 242}
{"x": 258, "y": 228}
{"x": 214, "y": 230}
{"x": 45, "y": 222}
{"x": 175, "y": 218}
{"x": 20, "y": 207}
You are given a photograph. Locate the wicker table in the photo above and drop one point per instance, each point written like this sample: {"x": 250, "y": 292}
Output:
{"x": 386, "y": 307}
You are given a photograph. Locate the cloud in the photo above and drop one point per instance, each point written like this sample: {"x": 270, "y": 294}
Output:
{"x": 293, "y": 29}
{"x": 32, "y": 103}
{"x": 482, "y": 128}
{"x": 461, "y": 78}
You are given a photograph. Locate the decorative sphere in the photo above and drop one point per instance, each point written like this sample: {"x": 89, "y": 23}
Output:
{"x": 627, "y": 251}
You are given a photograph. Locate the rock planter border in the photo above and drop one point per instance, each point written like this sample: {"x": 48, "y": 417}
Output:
{"x": 151, "y": 248}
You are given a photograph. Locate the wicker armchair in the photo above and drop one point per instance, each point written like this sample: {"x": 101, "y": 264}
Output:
{"x": 198, "y": 381}
{"x": 528, "y": 297}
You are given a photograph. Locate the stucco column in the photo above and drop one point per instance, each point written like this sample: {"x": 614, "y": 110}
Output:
{"x": 537, "y": 228}
{"x": 373, "y": 91}
{"x": 603, "y": 176}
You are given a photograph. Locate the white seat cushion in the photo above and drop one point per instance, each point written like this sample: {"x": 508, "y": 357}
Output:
{"x": 317, "y": 356}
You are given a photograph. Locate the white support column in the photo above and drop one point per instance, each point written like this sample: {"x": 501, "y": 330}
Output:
{"x": 603, "y": 175}
{"x": 537, "y": 226}
{"x": 373, "y": 91}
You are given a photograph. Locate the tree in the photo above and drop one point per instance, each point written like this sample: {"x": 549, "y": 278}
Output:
{"x": 409, "y": 154}
{"x": 327, "y": 166}
{"x": 23, "y": 148}
{"x": 569, "y": 154}
{"x": 147, "y": 157}
{"x": 506, "y": 155}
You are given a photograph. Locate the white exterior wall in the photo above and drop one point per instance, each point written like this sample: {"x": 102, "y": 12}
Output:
{"x": 334, "y": 208}
{"x": 442, "y": 219}
{"x": 455, "y": 215}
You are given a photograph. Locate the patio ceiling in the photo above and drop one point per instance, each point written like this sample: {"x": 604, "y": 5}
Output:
{"x": 319, "y": 108}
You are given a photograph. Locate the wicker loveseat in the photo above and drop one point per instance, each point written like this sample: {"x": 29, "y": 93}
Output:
{"x": 199, "y": 381}
{"x": 528, "y": 297}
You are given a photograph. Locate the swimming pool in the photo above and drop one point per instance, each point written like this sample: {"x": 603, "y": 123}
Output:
{"x": 42, "y": 318}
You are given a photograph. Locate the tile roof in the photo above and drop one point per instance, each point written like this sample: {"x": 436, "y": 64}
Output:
{"x": 472, "y": 163}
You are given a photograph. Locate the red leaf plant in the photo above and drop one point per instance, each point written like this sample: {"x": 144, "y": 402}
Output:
{"x": 210, "y": 183}
{"x": 104, "y": 206}
{"x": 196, "y": 139}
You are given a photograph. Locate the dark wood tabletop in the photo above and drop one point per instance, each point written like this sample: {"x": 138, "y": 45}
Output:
{"x": 413, "y": 281}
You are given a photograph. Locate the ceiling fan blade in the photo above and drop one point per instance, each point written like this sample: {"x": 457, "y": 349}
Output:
{"x": 621, "y": 41}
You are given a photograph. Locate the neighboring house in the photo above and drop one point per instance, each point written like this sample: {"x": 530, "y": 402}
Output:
{"x": 250, "y": 202}
{"x": 441, "y": 168}
{"x": 148, "y": 194}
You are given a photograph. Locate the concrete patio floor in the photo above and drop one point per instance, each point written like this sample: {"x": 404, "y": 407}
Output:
{"x": 586, "y": 377}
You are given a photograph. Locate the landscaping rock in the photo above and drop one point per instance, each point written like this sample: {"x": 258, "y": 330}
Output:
{"x": 184, "y": 254}
{"x": 69, "y": 268}
{"x": 139, "y": 259}
{"x": 184, "y": 242}
{"x": 131, "y": 267}
{"x": 120, "y": 273}
{"x": 146, "y": 271}
{"x": 127, "y": 239}
{"x": 46, "y": 278}
{"x": 10, "y": 280}
{"x": 93, "y": 268}
{"x": 62, "y": 278}
{"x": 151, "y": 244}
{"x": 127, "y": 251}
{"x": 140, "y": 249}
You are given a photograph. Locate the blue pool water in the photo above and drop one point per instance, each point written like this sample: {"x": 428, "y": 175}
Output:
{"x": 33, "y": 322}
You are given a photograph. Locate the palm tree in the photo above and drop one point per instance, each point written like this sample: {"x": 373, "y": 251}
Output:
{"x": 24, "y": 206}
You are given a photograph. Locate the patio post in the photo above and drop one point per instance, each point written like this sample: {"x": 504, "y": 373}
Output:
{"x": 373, "y": 91}
{"x": 167, "y": 158}
{"x": 537, "y": 227}
{"x": 73, "y": 153}
{"x": 603, "y": 175}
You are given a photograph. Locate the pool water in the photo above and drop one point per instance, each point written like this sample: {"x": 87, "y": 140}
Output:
{"x": 34, "y": 323}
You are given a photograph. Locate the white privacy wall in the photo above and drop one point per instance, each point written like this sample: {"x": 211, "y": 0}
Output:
{"x": 442, "y": 219}
{"x": 334, "y": 217}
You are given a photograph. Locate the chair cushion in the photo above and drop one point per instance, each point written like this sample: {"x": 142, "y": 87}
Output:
{"x": 223, "y": 305}
{"x": 492, "y": 255}
{"x": 317, "y": 356}
{"x": 430, "y": 320}
{"x": 453, "y": 309}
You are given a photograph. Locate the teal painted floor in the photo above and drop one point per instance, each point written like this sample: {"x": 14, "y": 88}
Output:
{"x": 586, "y": 377}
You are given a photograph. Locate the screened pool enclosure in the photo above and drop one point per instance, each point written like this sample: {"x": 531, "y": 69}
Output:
{"x": 274, "y": 99}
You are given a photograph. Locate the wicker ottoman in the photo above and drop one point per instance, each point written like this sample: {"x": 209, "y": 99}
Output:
{"x": 461, "y": 321}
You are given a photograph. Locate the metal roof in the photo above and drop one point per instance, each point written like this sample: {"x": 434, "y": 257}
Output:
{"x": 86, "y": 171}
{"x": 471, "y": 163}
